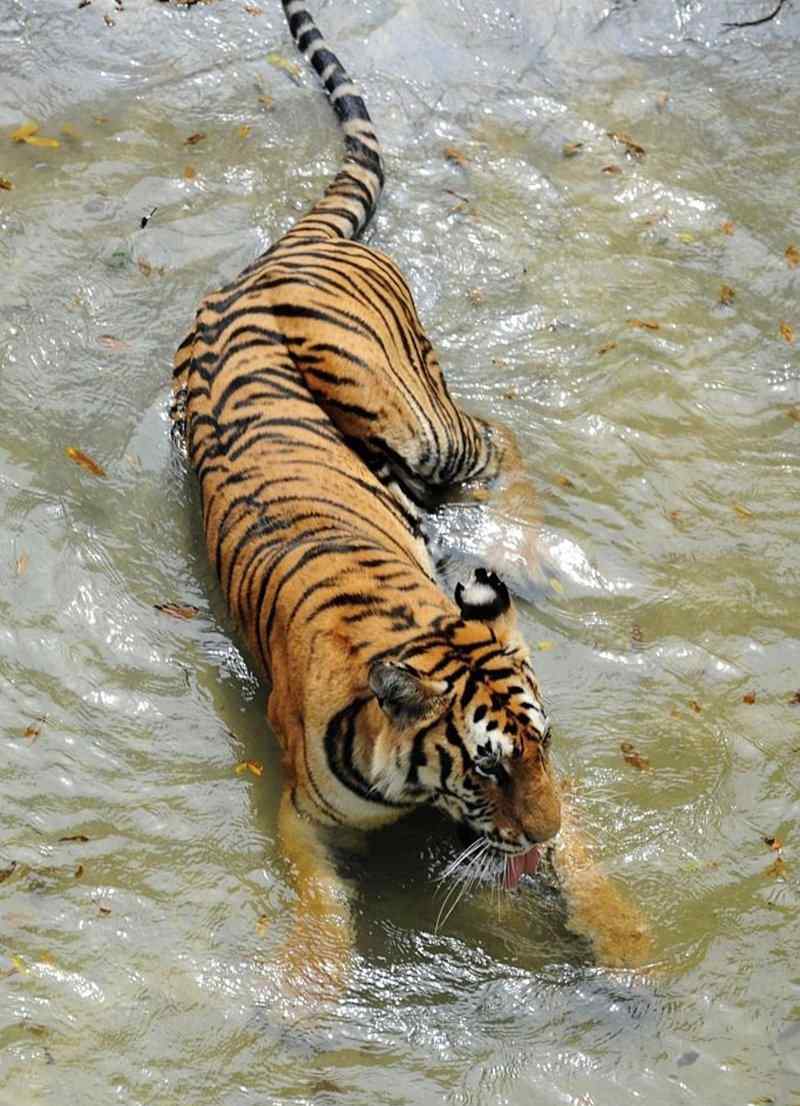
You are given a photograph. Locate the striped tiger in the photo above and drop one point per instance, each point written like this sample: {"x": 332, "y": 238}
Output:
{"x": 315, "y": 414}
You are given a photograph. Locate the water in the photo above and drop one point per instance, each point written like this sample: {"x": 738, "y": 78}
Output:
{"x": 136, "y": 966}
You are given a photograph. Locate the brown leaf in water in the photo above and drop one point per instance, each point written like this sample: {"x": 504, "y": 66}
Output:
{"x": 742, "y": 511}
{"x": 253, "y": 9}
{"x": 80, "y": 837}
{"x": 662, "y": 100}
{"x": 193, "y": 139}
{"x": 632, "y": 757}
{"x": 643, "y": 324}
{"x": 571, "y": 149}
{"x": 792, "y": 256}
{"x": 255, "y": 767}
{"x": 5, "y": 184}
{"x": 110, "y": 342}
{"x": 606, "y": 347}
{"x": 244, "y": 130}
{"x": 476, "y": 296}
{"x": 637, "y": 637}
{"x": 190, "y": 173}
{"x": 795, "y": 700}
{"x": 266, "y": 102}
{"x": 174, "y": 610}
{"x": 632, "y": 149}
{"x": 728, "y": 227}
{"x": 611, "y": 170}
{"x": 24, "y": 132}
{"x": 564, "y": 482}
{"x": 7, "y": 873}
{"x": 695, "y": 706}
{"x": 726, "y": 295}
{"x": 103, "y": 907}
{"x": 774, "y": 843}
{"x": 451, "y": 153}
{"x": 794, "y": 413}
{"x": 33, "y": 730}
{"x": 787, "y": 332}
{"x": 79, "y": 872}
{"x": 289, "y": 67}
{"x": 749, "y": 697}
{"x": 109, "y": 22}
{"x": 262, "y": 924}
{"x": 22, "y": 562}
{"x": 85, "y": 461}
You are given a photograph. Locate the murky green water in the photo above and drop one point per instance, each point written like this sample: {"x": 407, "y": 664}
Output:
{"x": 136, "y": 965}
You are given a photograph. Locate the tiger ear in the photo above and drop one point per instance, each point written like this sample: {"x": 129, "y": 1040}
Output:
{"x": 405, "y": 695}
{"x": 485, "y": 599}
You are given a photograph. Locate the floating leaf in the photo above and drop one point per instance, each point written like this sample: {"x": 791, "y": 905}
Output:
{"x": 21, "y": 566}
{"x": 45, "y": 143}
{"x": 726, "y": 294}
{"x": 605, "y": 348}
{"x": 795, "y": 700}
{"x": 289, "y": 67}
{"x": 193, "y": 139}
{"x": 571, "y": 149}
{"x": 80, "y": 837}
{"x": 557, "y": 586}
{"x": 476, "y": 296}
{"x": 255, "y": 767}
{"x": 262, "y": 924}
{"x": 686, "y": 236}
{"x": 774, "y": 843}
{"x": 787, "y": 332}
{"x": 110, "y": 342}
{"x": 266, "y": 102}
{"x": 749, "y": 697}
{"x": 109, "y": 22}
{"x": 85, "y": 461}
{"x": 189, "y": 173}
{"x": 24, "y": 132}
{"x": 174, "y": 610}
{"x": 728, "y": 227}
{"x": 244, "y": 130}
{"x": 632, "y": 757}
{"x": 7, "y": 873}
{"x": 632, "y": 149}
{"x": 544, "y": 646}
{"x": 453, "y": 154}
{"x": 792, "y": 256}
{"x": 662, "y": 100}
{"x": 104, "y": 907}
{"x": 33, "y": 730}
{"x": 252, "y": 9}
{"x": 643, "y": 324}
{"x": 5, "y": 184}
{"x": 612, "y": 170}
{"x": 695, "y": 706}
{"x": 79, "y": 871}
{"x": 742, "y": 511}
{"x": 564, "y": 482}
{"x": 637, "y": 637}
{"x": 794, "y": 413}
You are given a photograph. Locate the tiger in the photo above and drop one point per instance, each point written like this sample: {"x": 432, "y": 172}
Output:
{"x": 313, "y": 409}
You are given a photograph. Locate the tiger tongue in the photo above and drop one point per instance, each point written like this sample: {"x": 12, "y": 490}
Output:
{"x": 520, "y": 865}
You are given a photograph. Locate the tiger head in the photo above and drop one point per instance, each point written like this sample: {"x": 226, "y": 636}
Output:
{"x": 465, "y": 728}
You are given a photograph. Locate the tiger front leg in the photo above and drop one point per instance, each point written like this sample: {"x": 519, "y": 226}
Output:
{"x": 317, "y": 952}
